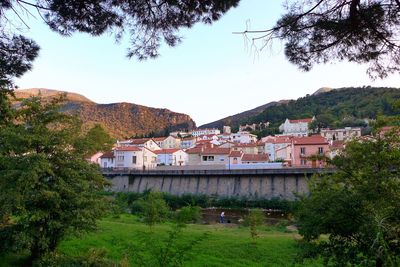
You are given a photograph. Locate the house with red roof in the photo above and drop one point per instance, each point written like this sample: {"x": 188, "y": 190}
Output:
{"x": 148, "y": 143}
{"x": 303, "y": 149}
{"x": 134, "y": 157}
{"x": 204, "y": 155}
{"x": 298, "y": 127}
{"x": 171, "y": 157}
{"x": 168, "y": 142}
{"x": 237, "y": 157}
{"x": 107, "y": 160}
{"x": 276, "y": 146}
{"x": 249, "y": 148}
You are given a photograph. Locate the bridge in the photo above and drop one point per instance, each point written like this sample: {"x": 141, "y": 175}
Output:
{"x": 283, "y": 183}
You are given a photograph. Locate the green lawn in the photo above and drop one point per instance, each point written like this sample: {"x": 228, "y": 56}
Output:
{"x": 224, "y": 245}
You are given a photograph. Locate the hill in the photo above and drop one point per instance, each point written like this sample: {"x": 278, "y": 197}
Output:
{"x": 237, "y": 119}
{"x": 120, "y": 120}
{"x": 332, "y": 108}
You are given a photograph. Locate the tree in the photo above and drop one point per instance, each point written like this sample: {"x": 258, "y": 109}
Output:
{"x": 321, "y": 31}
{"x": 48, "y": 188}
{"x": 357, "y": 206}
{"x": 153, "y": 208}
{"x": 95, "y": 140}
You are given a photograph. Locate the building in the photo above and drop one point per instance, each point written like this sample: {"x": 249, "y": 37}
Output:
{"x": 168, "y": 142}
{"x": 296, "y": 127}
{"x": 141, "y": 142}
{"x": 208, "y": 156}
{"x": 188, "y": 142}
{"x": 302, "y": 148}
{"x": 249, "y": 148}
{"x": 243, "y": 137}
{"x": 107, "y": 160}
{"x": 199, "y": 132}
{"x": 134, "y": 157}
{"x": 238, "y": 158}
{"x": 274, "y": 147}
{"x": 341, "y": 134}
{"x": 227, "y": 130}
{"x": 171, "y": 157}
{"x": 336, "y": 147}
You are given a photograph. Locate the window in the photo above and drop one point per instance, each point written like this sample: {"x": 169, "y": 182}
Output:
{"x": 134, "y": 159}
{"x": 302, "y": 150}
{"x": 208, "y": 158}
{"x": 120, "y": 158}
{"x": 303, "y": 162}
{"x": 320, "y": 150}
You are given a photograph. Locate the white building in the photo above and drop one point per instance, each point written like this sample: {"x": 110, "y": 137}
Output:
{"x": 168, "y": 142}
{"x": 274, "y": 146}
{"x": 171, "y": 157}
{"x": 107, "y": 160}
{"x": 141, "y": 142}
{"x": 188, "y": 142}
{"x": 134, "y": 157}
{"x": 296, "y": 127}
{"x": 243, "y": 137}
{"x": 199, "y": 132}
{"x": 341, "y": 134}
{"x": 208, "y": 156}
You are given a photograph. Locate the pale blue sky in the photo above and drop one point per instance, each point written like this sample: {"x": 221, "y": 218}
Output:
{"x": 212, "y": 74}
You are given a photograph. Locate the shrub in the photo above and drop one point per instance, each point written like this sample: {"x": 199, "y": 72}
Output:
{"x": 189, "y": 214}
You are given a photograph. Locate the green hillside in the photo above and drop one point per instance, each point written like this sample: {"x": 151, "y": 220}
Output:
{"x": 335, "y": 108}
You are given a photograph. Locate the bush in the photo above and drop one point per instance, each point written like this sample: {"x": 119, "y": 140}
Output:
{"x": 153, "y": 207}
{"x": 189, "y": 214}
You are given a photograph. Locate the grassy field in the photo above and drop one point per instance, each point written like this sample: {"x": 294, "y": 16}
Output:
{"x": 222, "y": 245}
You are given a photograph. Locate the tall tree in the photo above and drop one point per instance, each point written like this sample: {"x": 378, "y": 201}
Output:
{"x": 320, "y": 31}
{"x": 48, "y": 189}
{"x": 357, "y": 207}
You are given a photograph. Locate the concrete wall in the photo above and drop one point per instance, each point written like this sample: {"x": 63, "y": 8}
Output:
{"x": 276, "y": 183}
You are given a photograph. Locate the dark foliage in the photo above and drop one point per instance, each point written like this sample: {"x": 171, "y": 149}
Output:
{"x": 321, "y": 31}
{"x": 338, "y": 108}
{"x": 356, "y": 208}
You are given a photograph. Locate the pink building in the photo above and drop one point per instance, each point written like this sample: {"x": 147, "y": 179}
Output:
{"x": 302, "y": 148}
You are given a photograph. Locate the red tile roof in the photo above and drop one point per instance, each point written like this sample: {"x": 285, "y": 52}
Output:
{"x": 159, "y": 138}
{"x": 246, "y": 145}
{"x": 308, "y": 120}
{"x": 139, "y": 141}
{"x": 208, "y": 150}
{"x": 166, "y": 151}
{"x": 108, "y": 155}
{"x": 337, "y": 144}
{"x": 310, "y": 140}
{"x": 127, "y": 148}
{"x": 255, "y": 157}
{"x": 215, "y": 151}
{"x": 235, "y": 154}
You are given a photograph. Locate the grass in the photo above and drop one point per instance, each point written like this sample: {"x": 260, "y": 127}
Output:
{"x": 225, "y": 245}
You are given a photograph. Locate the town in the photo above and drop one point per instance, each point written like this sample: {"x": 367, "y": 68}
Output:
{"x": 296, "y": 146}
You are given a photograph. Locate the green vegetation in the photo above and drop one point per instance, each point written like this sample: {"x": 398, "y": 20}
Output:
{"x": 254, "y": 219}
{"x": 127, "y": 202}
{"x": 48, "y": 189}
{"x": 357, "y": 207}
{"x": 336, "y": 108}
{"x": 222, "y": 246}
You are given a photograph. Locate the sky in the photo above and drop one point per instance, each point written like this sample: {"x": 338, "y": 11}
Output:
{"x": 210, "y": 75}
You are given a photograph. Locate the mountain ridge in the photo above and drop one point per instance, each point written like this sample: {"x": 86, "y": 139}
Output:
{"x": 121, "y": 119}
